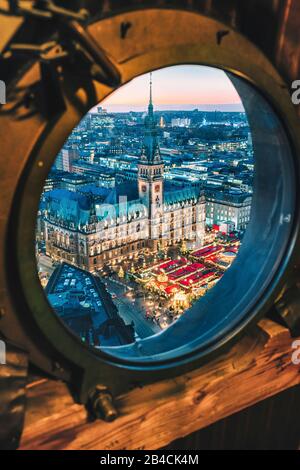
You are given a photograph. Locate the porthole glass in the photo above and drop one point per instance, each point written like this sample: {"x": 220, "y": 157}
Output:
{"x": 143, "y": 238}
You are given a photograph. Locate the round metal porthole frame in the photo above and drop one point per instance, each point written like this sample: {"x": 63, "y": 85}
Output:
{"x": 195, "y": 43}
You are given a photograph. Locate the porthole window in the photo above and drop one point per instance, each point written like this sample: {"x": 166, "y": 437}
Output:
{"x": 203, "y": 161}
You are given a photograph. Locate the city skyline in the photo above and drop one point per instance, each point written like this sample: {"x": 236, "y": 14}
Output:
{"x": 204, "y": 88}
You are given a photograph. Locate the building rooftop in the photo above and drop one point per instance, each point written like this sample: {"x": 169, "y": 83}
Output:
{"x": 83, "y": 303}
{"x": 182, "y": 195}
{"x": 233, "y": 195}
{"x": 68, "y": 206}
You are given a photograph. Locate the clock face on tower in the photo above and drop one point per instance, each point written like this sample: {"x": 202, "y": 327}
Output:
{"x": 157, "y": 188}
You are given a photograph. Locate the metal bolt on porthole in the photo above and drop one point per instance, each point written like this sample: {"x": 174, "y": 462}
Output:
{"x": 101, "y": 404}
{"x": 285, "y": 218}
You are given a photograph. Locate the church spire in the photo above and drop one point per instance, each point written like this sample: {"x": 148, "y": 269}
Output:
{"x": 150, "y": 106}
{"x": 150, "y": 151}
{"x": 151, "y": 165}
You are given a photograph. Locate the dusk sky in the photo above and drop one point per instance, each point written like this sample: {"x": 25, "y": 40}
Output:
{"x": 179, "y": 87}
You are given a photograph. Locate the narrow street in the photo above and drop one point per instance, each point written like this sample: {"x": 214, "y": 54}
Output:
{"x": 131, "y": 310}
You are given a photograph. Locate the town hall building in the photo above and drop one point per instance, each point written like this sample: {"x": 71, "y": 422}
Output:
{"x": 100, "y": 227}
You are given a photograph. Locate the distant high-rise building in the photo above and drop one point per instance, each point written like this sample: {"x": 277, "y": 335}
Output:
{"x": 180, "y": 122}
{"x": 65, "y": 159}
{"x": 101, "y": 110}
{"x": 115, "y": 147}
{"x": 162, "y": 122}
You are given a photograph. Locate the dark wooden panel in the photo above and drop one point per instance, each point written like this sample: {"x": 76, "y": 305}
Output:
{"x": 271, "y": 424}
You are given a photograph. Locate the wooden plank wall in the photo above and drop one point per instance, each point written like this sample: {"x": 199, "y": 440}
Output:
{"x": 151, "y": 417}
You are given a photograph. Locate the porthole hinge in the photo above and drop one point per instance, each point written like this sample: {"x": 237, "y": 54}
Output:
{"x": 74, "y": 41}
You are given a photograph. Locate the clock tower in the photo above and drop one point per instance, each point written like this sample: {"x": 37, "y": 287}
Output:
{"x": 151, "y": 166}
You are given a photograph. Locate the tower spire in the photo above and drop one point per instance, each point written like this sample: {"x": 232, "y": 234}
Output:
{"x": 150, "y": 106}
{"x": 150, "y": 152}
{"x": 150, "y": 101}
